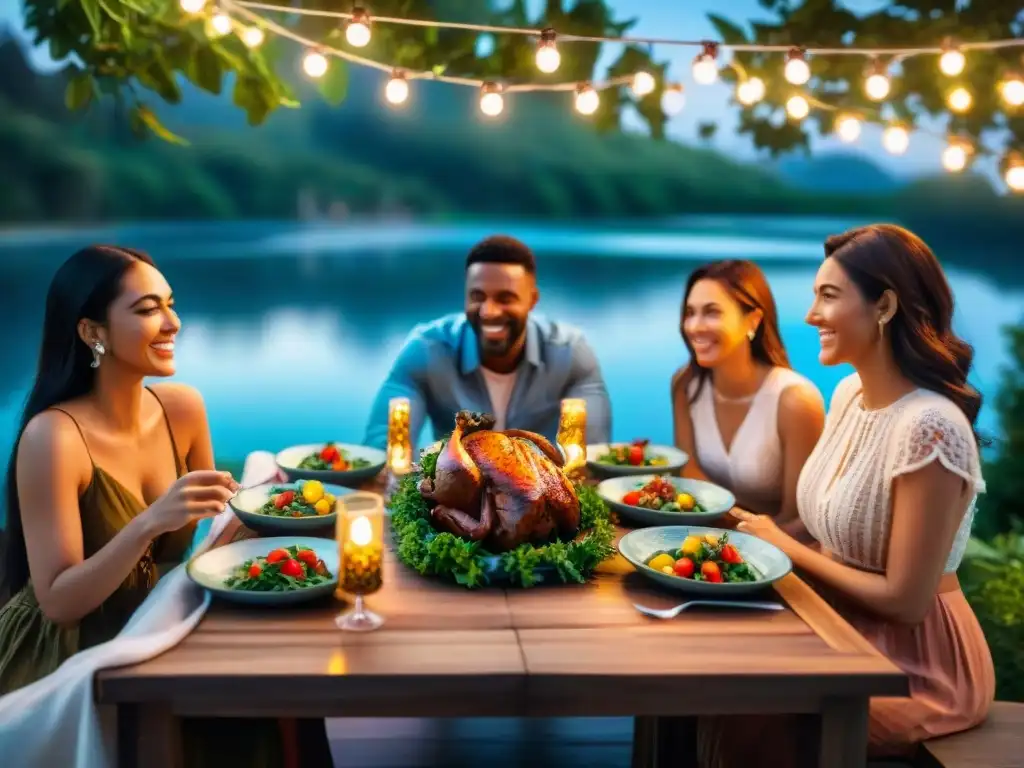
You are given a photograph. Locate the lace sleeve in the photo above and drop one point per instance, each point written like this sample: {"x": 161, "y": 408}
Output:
{"x": 932, "y": 434}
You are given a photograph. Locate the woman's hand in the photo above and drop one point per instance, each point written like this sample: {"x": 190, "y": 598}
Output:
{"x": 198, "y": 494}
{"x": 762, "y": 526}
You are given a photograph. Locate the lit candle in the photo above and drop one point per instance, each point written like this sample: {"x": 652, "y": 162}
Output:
{"x": 572, "y": 432}
{"x": 360, "y": 534}
{"x": 399, "y": 438}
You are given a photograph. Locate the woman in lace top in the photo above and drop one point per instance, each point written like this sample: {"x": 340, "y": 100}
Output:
{"x": 746, "y": 419}
{"x": 889, "y": 494}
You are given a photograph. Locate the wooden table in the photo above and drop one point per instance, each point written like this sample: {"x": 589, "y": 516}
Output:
{"x": 560, "y": 650}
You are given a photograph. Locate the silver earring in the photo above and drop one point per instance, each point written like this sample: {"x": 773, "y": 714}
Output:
{"x": 98, "y": 350}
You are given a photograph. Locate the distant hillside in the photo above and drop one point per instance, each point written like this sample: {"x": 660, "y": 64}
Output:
{"x": 836, "y": 172}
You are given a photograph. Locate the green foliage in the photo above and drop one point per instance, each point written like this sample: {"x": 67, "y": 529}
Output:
{"x": 435, "y": 553}
{"x": 140, "y": 49}
{"x": 919, "y": 89}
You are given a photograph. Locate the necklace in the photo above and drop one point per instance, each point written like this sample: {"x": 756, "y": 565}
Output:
{"x": 732, "y": 400}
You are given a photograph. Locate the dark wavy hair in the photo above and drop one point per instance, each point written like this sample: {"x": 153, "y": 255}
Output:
{"x": 746, "y": 284}
{"x": 83, "y": 288}
{"x": 927, "y": 352}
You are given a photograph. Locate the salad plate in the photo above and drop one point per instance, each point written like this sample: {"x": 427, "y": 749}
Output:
{"x": 337, "y": 463}
{"x": 636, "y": 458}
{"x": 297, "y": 508}
{"x": 273, "y": 571}
{"x": 661, "y": 500}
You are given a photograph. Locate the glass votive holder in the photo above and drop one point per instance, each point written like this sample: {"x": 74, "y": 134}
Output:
{"x": 572, "y": 432}
{"x": 360, "y": 535}
{"x": 399, "y": 450}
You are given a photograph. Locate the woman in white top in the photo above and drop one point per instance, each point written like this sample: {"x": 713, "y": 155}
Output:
{"x": 745, "y": 418}
{"x": 889, "y": 493}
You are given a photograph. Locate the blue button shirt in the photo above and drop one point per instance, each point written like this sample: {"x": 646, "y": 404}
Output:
{"x": 438, "y": 369}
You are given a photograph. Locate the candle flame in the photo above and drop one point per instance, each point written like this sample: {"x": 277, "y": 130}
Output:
{"x": 361, "y": 531}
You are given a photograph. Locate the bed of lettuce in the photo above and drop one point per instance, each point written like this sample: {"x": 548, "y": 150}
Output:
{"x": 434, "y": 553}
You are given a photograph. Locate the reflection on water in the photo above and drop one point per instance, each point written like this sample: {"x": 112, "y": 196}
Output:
{"x": 288, "y": 332}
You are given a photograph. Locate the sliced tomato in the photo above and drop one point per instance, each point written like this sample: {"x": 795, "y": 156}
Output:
{"x": 283, "y": 499}
{"x": 683, "y": 567}
{"x": 278, "y": 555}
{"x": 711, "y": 572}
{"x": 631, "y": 499}
{"x": 339, "y": 465}
{"x": 329, "y": 453}
{"x": 292, "y": 568}
{"x": 636, "y": 455}
{"x": 255, "y": 570}
{"x": 308, "y": 556}
{"x": 730, "y": 554}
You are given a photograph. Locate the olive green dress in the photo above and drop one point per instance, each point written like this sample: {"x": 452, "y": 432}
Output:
{"x": 32, "y": 646}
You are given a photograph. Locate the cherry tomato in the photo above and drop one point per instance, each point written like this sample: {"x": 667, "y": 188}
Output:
{"x": 278, "y": 555}
{"x": 308, "y": 556}
{"x": 339, "y": 465}
{"x": 329, "y": 453}
{"x": 684, "y": 567}
{"x": 284, "y": 499}
{"x": 291, "y": 568}
{"x": 730, "y": 554}
{"x": 631, "y": 499}
{"x": 711, "y": 572}
{"x": 636, "y": 455}
{"x": 255, "y": 570}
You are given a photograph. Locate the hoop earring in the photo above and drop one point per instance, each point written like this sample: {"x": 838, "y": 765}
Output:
{"x": 98, "y": 350}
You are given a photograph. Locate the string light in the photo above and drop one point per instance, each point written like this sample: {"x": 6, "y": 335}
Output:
{"x": 955, "y": 155}
{"x": 219, "y": 25}
{"x": 798, "y": 107}
{"x": 877, "y": 84}
{"x": 952, "y": 60}
{"x": 358, "y": 30}
{"x": 750, "y": 91}
{"x": 491, "y": 101}
{"x": 1012, "y": 90}
{"x": 895, "y": 139}
{"x": 848, "y": 128}
{"x": 253, "y": 36}
{"x": 673, "y": 99}
{"x": 960, "y": 99}
{"x": 797, "y": 70}
{"x": 397, "y": 89}
{"x": 1015, "y": 172}
{"x": 643, "y": 83}
{"x": 548, "y": 57}
{"x": 587, "y": 100}
{"x": 315, "y": 64}
{"x": 192, "y": 6}
{"x": 705, "y": 68}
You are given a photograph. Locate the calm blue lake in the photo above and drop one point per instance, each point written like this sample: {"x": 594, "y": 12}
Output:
{"x": 289, "y": 329}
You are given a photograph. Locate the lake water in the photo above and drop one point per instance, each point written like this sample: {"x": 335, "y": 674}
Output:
{"x": 288, "y": 329}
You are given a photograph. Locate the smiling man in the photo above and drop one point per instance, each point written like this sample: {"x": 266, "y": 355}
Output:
{"x": 496, "y": 357}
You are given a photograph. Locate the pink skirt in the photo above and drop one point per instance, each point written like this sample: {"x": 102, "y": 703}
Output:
{"x": 952, "y": 685}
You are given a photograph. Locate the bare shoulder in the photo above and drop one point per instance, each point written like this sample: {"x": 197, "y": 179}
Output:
{"x": 183, "y": 402}
{"x": 681, "y": 378}
{"x": 801, "y": 405}
{"x": 52, "y": 441}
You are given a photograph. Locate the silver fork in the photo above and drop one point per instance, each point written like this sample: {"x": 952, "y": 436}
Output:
{"x": 671, "y": 613}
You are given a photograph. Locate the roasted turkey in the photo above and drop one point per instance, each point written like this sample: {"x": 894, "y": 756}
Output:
{"x": 501, "y": 488}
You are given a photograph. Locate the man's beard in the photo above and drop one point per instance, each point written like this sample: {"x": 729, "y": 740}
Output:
{"x": 497, "y": 347}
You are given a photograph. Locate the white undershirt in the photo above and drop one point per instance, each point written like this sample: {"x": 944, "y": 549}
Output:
{"x": 499, "y": 387}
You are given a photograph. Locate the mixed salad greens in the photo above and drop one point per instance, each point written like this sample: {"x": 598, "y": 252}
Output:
{"x": 632, "y": 455}
{"x": 332, "y": 458}
{"x": 281, "y": 570}
{"x": 705, "y": 558}
{"x": 306, "y": 498}
{"x": 662, "y": 495}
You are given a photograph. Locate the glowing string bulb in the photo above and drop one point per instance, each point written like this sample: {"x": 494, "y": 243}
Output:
{"x": 587, "y": 99}
{"x": 220, "y": 25}
{"x": 315, "y": 64}
{"x": 797, "y": 70}
{"x": 548, "y": 58}
{"x": 954, "y": 157}
{"x": 1015, "y": 173}
{"x": 877, "y": 84}
{"x": 643, "y": 83}
{"x": 848, "y": 128}
{"x": 673, "y": 99}
{"x": 750, "y": 91}
{"x": 1012, "y": 90}
{"x": 252, "y": 36}
{"x": 192, "y": 6}
{"x": 705, "y": 68}
{"x": 397, "y": 89}
{"x": 895, "y": 139}
{"x": 358, "y": 30}
{"x": 952, "y": 60}
{"x": 960, "y": 99}
{"x": 491, "y": 101}
{"x": 798, "y": 107}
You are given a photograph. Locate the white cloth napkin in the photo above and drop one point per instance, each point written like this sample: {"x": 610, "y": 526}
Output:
{"x": 55, "y": 721}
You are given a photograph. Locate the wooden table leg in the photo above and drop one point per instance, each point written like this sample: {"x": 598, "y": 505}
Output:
{"x": 148, "y": 736}
{"x": 644, "y": 742}
{"x": 664, "y": 741}
{"x": 844, "y": 733}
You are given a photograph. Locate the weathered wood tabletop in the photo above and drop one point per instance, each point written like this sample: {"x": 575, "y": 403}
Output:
{"x": 557, "y": 650}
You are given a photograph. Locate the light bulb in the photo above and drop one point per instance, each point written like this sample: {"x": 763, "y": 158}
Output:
{"x": 315, "y": 64}
{"x": 587, "y": 100}
{"x": 220, "y": 25}
{"x": 1015, "y": 176}
{"x": 397, "y": 89}
{"x": 952, "y": 60}
{"x": 491, "y": 101}
{"x": 548, "y": 58}
{"x": 252, "y": 36}
{"x": 361, "y": 531}
{"x": 358, "y": 30}
{"x": 643, "y": 83}
{"x": 895, "y": 139}
{"x": 876, "y": 86}
{"x": 673, "y": 99}
{"x": 192, "y": 6}
{"x": 848, "y": 128}
{"x": 954, "y": 157}
{"x": 1012, "y": 90}
{"x": 705, "y": 69}
{"x": 960, "y": 99}
{"x": 798, "y": 107}
{"x": 797, "y": 70}
{"x": 750, "y": 91}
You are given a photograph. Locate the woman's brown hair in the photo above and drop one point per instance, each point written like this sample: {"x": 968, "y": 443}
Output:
{"x": 882, "y": 257}
{"x": 744, "y": 281}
